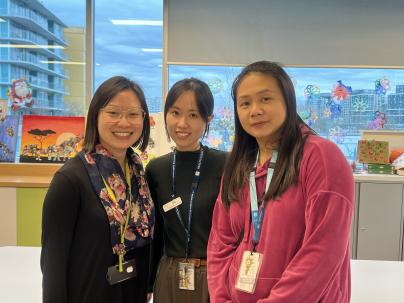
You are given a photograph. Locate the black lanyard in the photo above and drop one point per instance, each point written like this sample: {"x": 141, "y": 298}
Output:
{"x": 195, "y": 181}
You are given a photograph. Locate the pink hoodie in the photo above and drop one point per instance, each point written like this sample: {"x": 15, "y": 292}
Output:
{"x": 304, "y": 238}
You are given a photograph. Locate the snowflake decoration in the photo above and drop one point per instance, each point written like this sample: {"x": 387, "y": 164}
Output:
{"x": 327, "y": 112}
{"x": 336, "y": 134}
{"x": 359, "y": 104}
{"x": 215, "y": 84}
{"x": 311, "y": 91}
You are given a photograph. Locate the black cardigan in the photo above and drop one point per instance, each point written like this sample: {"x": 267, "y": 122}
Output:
{"x": 76, "y": 245}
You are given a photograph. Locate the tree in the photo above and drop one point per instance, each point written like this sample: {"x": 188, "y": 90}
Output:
{"x": 40, "y": 134}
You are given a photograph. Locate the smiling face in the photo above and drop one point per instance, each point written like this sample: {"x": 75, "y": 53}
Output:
{"x": 185, "y": 124}
{"x": 261, "y": 107}
{"x": 117, "y": 135}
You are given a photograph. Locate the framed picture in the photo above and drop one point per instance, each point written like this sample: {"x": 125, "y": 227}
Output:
{"x": 50, "y": 139}
{"x": 8, "y": 138}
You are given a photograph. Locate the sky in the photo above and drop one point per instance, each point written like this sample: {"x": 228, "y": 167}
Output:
{"x": 118, "y": 49}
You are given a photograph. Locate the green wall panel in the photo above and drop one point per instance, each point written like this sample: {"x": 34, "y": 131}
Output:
{"x": 29, "y": 215}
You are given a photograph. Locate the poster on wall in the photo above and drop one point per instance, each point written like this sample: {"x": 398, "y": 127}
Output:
{"x": 50, "y": 139}
{"x": 8, "y": 138}
{"x": 158, "y": 143}
{"x": 20, "y": 94}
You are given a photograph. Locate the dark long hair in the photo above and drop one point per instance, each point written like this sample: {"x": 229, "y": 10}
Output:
{"x": 104, "y": 93}
{"x": 203, "y": 96}
{"x": 243, "y": 155}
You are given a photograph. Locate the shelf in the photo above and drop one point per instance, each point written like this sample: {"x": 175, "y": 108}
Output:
{"x": 27, "y": 174}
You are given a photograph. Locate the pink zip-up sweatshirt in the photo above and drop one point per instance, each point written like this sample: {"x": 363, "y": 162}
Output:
{"x": 304, "y": 238}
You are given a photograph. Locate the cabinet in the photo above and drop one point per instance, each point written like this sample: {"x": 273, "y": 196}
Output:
{"x": 354, "y": 224}
{"x": 377, "y": 231}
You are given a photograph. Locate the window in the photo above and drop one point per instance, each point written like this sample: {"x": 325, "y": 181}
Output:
{"x": 336, "y": 102}
{"x": 128, "y": 42}
{"x": 43, "y": 44}
{"x": 42, "y": 52}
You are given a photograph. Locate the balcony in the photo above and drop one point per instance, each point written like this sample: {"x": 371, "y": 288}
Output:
{"x": 26, "y": 18}
{"x": 57, "y": 55}
{"x": 47, "y": 104}
{"x": 51, "y": 87}
{"x": 33, "y": 64}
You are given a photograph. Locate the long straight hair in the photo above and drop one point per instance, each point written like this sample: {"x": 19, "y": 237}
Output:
{"x": 243, "y": 155}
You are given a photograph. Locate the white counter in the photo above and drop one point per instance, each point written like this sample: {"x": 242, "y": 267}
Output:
{"x": 20, "y": 279}
{"x": 382, "y": 178}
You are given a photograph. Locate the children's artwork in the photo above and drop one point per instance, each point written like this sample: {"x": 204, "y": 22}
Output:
{"x": 372, "y": 151}
{"x": 336, "y": 134}
{"x": 382, "y": 85}
{"x": 359, "y": 104}
{"x": 221, "y": 130}
{"x": 151, "y": 150}
{"x": 8, "y": 138}
{"x": 335, "y": 110}
{"x": 215, "y": 84}
{"x": 20, "y": 94}
{"x": 3, "y": 109}
{"x": 341, "y": 92}
{"x": 50, "y": 139}
{"x": 378, "y": 120}
{"x": 311, "y": 92}
{"x": 309, "y": 117}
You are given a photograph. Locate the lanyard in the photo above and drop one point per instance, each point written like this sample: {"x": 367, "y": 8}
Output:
{"x": 113, "y": 198}
{"x": 258, "y": 214}
{"x": 195, "y": 181}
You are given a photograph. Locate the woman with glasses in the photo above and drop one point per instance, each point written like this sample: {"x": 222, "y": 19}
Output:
{"x": 98, "y": 215}
{"x": 184, "y": 185}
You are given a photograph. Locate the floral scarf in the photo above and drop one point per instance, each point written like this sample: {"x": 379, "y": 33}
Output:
{"x": 101, "y": 164}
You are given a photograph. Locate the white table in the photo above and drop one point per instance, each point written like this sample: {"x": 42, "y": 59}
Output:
{"x": 20, "y": 275}
{"x": 377, "y": 281}
{"x": 20, "y": 278}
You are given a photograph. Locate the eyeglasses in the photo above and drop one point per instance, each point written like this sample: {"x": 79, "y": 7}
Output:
{"x": 114, "y": 114}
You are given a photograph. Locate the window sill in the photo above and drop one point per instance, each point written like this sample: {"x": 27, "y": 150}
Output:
{"x": 27, "y": 174}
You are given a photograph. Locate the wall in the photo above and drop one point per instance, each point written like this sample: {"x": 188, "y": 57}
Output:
{"x": 306, "y": 32}
{"x": 21, "y": 215}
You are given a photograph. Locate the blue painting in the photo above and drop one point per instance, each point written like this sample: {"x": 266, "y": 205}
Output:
{"x": 8, "y": 138}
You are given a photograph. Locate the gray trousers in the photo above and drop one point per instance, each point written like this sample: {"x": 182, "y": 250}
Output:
{"x": 166, "y": 287}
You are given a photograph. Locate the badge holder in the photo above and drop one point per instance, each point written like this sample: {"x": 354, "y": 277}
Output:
{"x": 248, "y": 274}
{"x": 128, "y": 272}
{"x": 186, "y": 275}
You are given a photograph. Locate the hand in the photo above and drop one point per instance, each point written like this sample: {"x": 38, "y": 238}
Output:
{"x": 149, "y": 296}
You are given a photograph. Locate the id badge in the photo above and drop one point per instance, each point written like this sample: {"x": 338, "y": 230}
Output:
{"x": 186, "y": 275}
{"x": 129, "y": 272}
{"x": 248, "y": 272}
{"x": 172, "y": 204}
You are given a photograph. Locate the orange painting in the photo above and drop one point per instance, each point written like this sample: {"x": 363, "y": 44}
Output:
{"x": 50, "y": 139}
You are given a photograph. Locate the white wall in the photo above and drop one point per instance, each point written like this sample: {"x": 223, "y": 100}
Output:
{"x": 293, "y": 32}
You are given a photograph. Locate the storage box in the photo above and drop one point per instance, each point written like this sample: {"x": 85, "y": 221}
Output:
{"x": 372, "y": 151}
{"x": 380, "y": 169}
